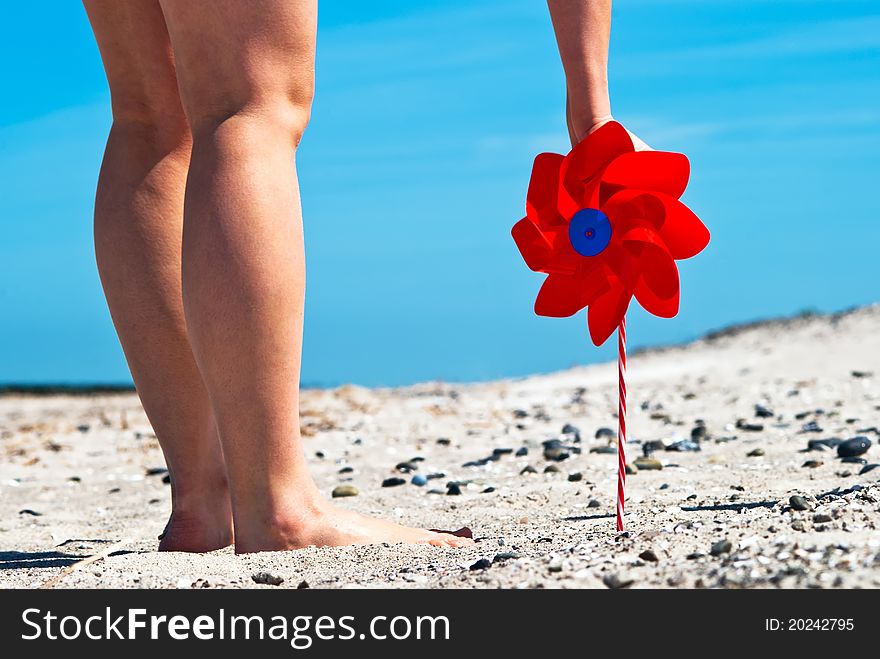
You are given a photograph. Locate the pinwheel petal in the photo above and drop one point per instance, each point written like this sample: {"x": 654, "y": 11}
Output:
{"x": 655, "y": 264}
{"x": 534, "y": 247}
{"x": 682, "y": 231}
{"x": 624, "y": 264}
{"x": 651, "y": 171}
{"x": 561, "y": 296}
{"x": 659, "y": 272}
{"x": 589, "y": 157}
{"x": 597, "y": 150}
{"x": 663, "y": 307}
{"x": 606, "y": 311}
{"x": 631, "y": 208}
{"x": 541, "y": 206}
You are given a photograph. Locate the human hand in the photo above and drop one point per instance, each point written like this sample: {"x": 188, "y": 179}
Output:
{"x": 577, "y": 133}
{"x": 638, "y": 143}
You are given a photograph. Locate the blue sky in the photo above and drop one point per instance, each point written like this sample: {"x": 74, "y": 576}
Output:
{"x": 415, "y": 166}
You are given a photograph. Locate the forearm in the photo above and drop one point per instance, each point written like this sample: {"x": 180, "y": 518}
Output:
{"x": 583, "y": 28}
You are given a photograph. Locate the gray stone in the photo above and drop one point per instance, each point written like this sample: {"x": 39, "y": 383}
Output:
{"x": 721, "y": 547}
{"x": 267, "y": 579}
{"x": 394, "y": 481}
{"x": 853, "y": 447}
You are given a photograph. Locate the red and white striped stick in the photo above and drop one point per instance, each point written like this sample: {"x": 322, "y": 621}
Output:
{"x": 621, "y": 418}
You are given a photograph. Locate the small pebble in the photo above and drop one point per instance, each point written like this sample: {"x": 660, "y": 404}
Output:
{"x": 868, "y": 467}
{"x": 631, "y": 469}
{"x": 594, "y": 503}
{"x": 742, "y": 424}
{"x": 823, "y": 444}
{"x": 649, "y": 556}
{"x": 853, "y": 447}
{"x": 721, "y": 547}
{"x": 763, "y": 412}
{"x": 609, "y": 450}
{"x": 571, "y": 431}
{"x": 812, "y": 426}
{"x": 394, "y": 481}
{"x": 575, "y": 477}
{"x": 506, "y": 556}
{"x": 755, "y": 453}
{"x": 556, "y": 453}
{"x": 521, "y": 451}
{"x": 798, "y": 502}
{"x": 419, "y": 480}
{"x": 528, "y": 469}
{"x": 551, "y": 469}
{"x": 454, "y": 489}
{"x": 344, "y": 491}
{"x": 648, "y": 464}
{"x": 267, "y": 578}
{"x": 649, "y": 447}
{"x": 684, "y": 445}
{"x": 812, "y": 464}
{"x": 605, "y": 433}
{"x": 615, "y": 581}
{"x": 482, "y": 564}
{"x": 821, "y": 518}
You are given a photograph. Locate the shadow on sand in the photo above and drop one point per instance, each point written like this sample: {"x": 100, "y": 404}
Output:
{"x": 14, "y": 560}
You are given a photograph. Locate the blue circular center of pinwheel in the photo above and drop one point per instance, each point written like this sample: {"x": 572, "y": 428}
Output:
{"x": 589, "y": 231}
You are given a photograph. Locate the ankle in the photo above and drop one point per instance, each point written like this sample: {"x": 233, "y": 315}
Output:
{"x": 199, "y": 494}
{"x": 280, "y": 525}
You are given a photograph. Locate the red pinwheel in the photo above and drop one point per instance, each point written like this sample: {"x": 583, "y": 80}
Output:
{"x": 605, "y": 224}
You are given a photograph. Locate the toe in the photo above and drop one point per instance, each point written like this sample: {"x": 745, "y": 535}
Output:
{"x": 447, "y": 540}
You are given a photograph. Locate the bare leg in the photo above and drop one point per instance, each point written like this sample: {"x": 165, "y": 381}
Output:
{"x": 583, "y": 30}
{"x": 138, "y": 231}
{"x": 246, "y": 79}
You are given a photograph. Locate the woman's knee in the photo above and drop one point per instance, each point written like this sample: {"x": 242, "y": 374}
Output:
{"x": 155, "y": 117}
{"x": 282, "y": 116}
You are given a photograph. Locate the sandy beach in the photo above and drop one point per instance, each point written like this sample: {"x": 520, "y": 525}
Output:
{"x": 82, "y": 476}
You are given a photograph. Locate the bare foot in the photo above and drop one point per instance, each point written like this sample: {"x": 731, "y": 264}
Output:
{"x": 204, "y": 531}
{"x": 333, "y": 527}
